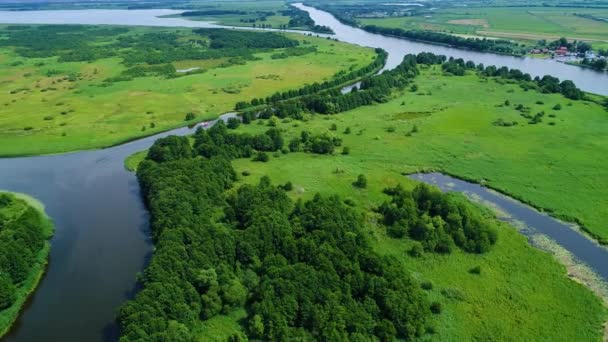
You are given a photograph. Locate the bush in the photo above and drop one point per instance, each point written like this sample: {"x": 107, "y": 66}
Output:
{"x": 190, "y": 116}
{"x": 361, "y": 182}
{"x": 233, "y": 123}
{"x": 414, "y": 88}
{"x": 347, "y": 130}
{"x": 345, "y": 150}
{"x": 246, "y": 173}
{"x": 436, "y": 308}
{"x": 417, "y": 250}
{"x": 333, "y": 127}
{"x": 475, "y": 270}
{"x": 557, "y": 107}
{"x": 7, "y": 291}
{"x": 288, "y": 186}
{"x": 426, "y": 285}
{"x": 261, "y": 157}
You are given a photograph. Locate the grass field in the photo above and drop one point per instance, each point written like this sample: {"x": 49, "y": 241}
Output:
{"x": 527, "y": 24}
{"x": 251, "y": 11}
{"x": 9, "y": 316}
{"x": 43, "y": 111}
{"x": 522, "y": 293}
{"x": 555, "y": 166}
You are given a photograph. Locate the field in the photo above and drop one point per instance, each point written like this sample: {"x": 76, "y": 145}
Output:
{"x": 9, "y": 315}
{"x": 526, "y": 24}
{"x": 251, "y": 13}
{"x": 554, "y": 166}
{"x": 47, "y": 106}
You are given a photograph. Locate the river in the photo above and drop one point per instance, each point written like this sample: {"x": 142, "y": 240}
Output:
{"x": 101, "y": 239}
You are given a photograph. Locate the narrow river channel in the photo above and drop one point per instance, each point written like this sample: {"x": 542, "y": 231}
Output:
{"x": 101, "y": 238}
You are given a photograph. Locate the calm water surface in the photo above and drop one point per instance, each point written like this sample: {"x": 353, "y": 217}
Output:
{"x": 101, "y": 240}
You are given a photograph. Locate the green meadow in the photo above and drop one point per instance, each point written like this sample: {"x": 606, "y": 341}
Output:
{"x": 527, "y": 24}
{"x": 522, "y": 293}
{"x": 556, "y": 165}
{"x": 250, "y": 13}
{"x": 47, "y": 106}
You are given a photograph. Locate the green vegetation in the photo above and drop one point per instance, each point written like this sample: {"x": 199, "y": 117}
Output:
{"x": 526, "y": 24}
{"x": 240, "y": 265}
{"x": 79, "y": 87}
{"x": 444, "y": 127}
{"x": 24, "y": 240}
{"x": 300, "y": 270}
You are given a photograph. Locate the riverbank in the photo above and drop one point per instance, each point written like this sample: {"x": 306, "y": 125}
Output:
{"x": 57, "y": 105}
{"x": 10, "y": 315}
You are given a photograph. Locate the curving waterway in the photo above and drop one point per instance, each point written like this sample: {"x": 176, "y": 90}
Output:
{"x": 101, "y": 239}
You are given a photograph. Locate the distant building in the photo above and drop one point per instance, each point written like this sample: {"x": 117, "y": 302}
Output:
{"x": 562, "y": 51}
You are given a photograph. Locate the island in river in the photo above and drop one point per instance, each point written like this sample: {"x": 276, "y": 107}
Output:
{"x": 25, "y": 231}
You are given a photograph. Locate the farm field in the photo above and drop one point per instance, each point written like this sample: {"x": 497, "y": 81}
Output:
{"x": 526, "y": 24}
{"x": 50, "y": 106}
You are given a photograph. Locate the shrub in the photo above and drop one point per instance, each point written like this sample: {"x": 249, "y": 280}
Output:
{"x": 261, "y": 157}
{"x": 189, "y": 116}
{"x": 233, "y": 123}
{"x": 246, "y": 173}
{"x": 475, "y": 270}
{"x": 540, "y": 102}
{"x": 333, "y": 127}
{"x": 345, "y": 150}
{"x": 417, "y": 250}
{"x": 413, "y": 88}
{"x": 361, "y": 182}
{"x": 48, "y": 117}
{"x": 347, "y": 130}
{"x": 557, "y": 107}
{"x": 436, "y": 308}
{"x": 426, "y": 285}
{"x": 287, "y": 186}
{"x": 507, "y": 103}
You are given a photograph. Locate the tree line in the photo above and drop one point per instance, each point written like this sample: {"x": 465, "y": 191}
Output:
{"x": 22, "y": 238}
{"x": 484, "y": 45}
{"x": 338, "y": 79}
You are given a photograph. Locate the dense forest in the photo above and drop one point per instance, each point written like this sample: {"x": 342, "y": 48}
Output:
{"x": 302, "y": 270}
{"x": 23, "y": 234}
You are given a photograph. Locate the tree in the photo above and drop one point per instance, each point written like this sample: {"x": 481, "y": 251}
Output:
{"x": 361, "y": 182}
{"x": 170, "y": 148}
{"x": 7, "y": 291}
{"x": 233, "y": 123}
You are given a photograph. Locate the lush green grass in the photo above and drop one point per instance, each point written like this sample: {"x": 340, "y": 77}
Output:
{"x": 519, "y": 23}
{"x": 132, "y": 162}
{"x": 522, "y": 293}
{"x": 9, "y": 316}
{"x": 560, "y": 168}
{"x": 84, "y": 114}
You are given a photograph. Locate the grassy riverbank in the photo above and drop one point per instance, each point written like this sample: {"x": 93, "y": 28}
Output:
{"x": 50, "y": 106}
{"x": 28, "y": 286}
{"x": 524, "y": 24}
{"x": 555, "y": 166}
{"x": 520, "y": 292}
